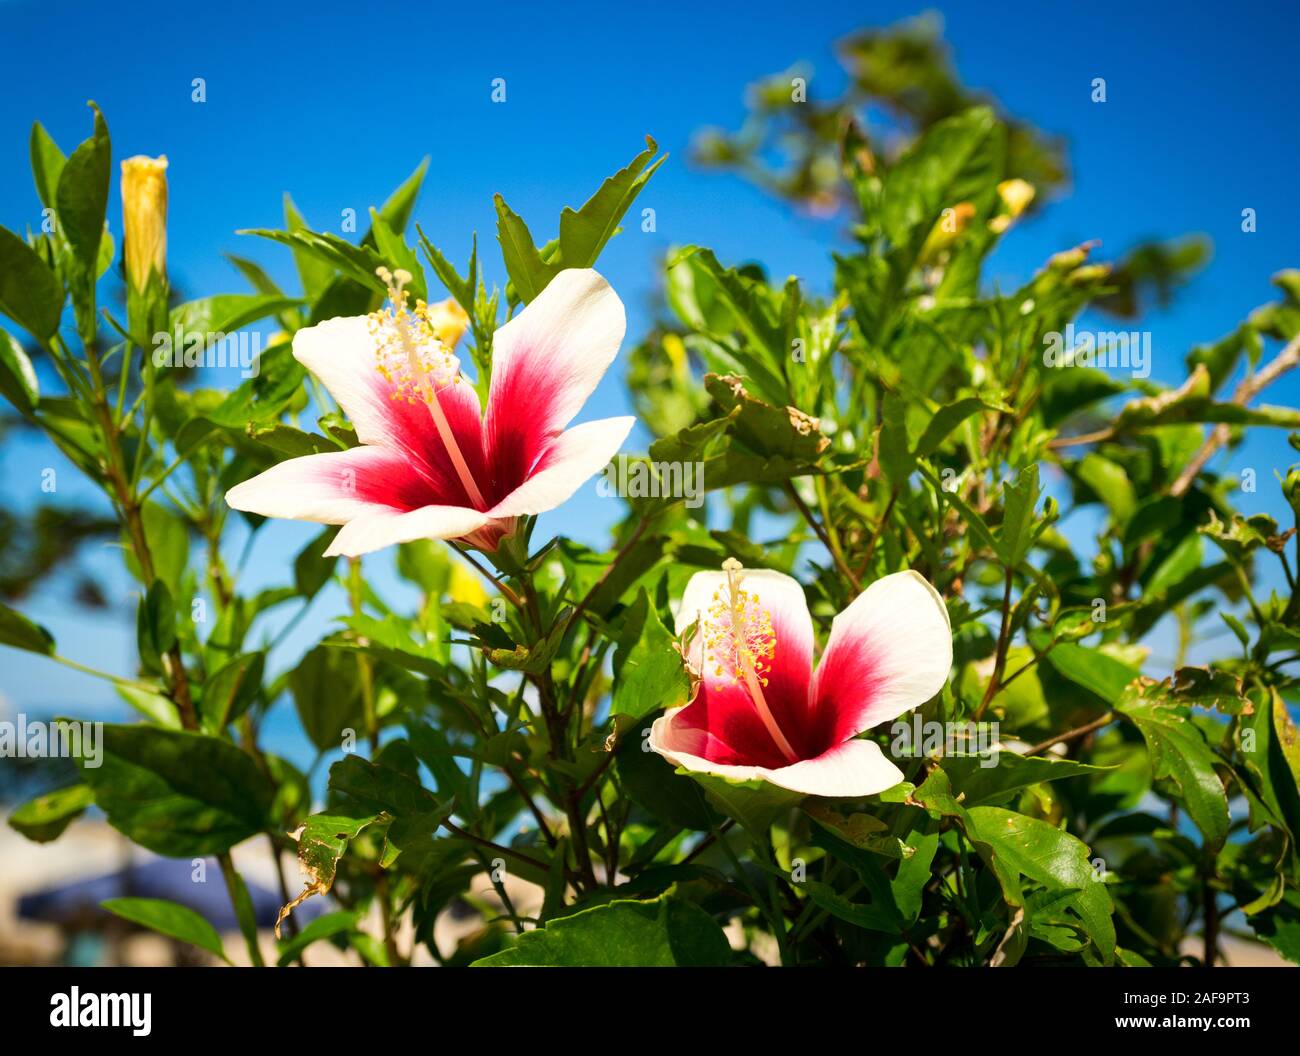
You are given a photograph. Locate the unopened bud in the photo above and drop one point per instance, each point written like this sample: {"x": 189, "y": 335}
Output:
{"x": 1291, "y": 489}
{"x": 144, "y": 219}
{"x": 449, "y": 321}
{"x": 1016, "y": 196}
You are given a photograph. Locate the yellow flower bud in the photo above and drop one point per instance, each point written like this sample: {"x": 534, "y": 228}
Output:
{"x": 675, "y": 349}
{"x": 449, "y": 321}
{"x": 144, "y": 218}
{"x": 947, "y": 228}
{"x": 465, "y": 587}
{"x": 1016, "y": 195}
{"x": 1088, "y": 273}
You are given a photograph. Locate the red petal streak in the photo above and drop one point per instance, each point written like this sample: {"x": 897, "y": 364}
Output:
{"x": 847, "y": 680}
{"x": 412, "y": 431}
{"x": 522, "y": 420}
{"x": 721, "y": 725}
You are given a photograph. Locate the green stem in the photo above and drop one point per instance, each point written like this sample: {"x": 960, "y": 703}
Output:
{"x": 129, "y": 683}
{"x": 239, "y": 898}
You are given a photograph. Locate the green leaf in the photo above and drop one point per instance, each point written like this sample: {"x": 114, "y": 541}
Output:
{"x": 894, "y": 451}
{"x": 652, "y": 783}
{"x": 326, "y": 688}
{"x": 313, "y": 272}
{"x": 529, "y": 274}
{"x": 979, "y": 784}
{"x": 1199, "y": 687}
{"x": 47, "y": 165}
{"x": 178, "y": 793}
{"x": 1054, "y": 858}
{"x": 82, "y": 196}
{"x": 231, "y": 690}
{"x": 755, "y": 804}
{"x": 862, "y": 915}
{"x": 44, "y": 818}
{"x": 622, "y": 934}
{"x": 226, "y": 313}
{"x": 397, "y": 209}
{"x": 170, "y": 919}
{"x": 256, "y": 275}
{"x": 1095, "y": 671}
{"x": 1242, "y": 535}
{"x": 434, "y": 750}
{"x": 311, "y": 569}
{"x": 648, "y": 670}
{"x": 1279, "y": 926}
{"x": 30, "y": 293}
{"x": 1016, "y": 535}
{"x": 762, "y": 355}
{"x": 864, "y": 832}
{"x": 412, "y": 812}
{"x": 460, "y": 289}
{"x": 1111, "y": 484}
{"x": 155, "y": 707}
{"x": 1180, "y": 754}
{"x": 18, "y": 382}
{"x": 290, "y": 442}
{"x": 914, "y": 874}
{"x": 21, "y": 633}
{"x": 957, "y": 159}
{"x": 771, "y": 431}
{"x": 1270, "y": 749}
{"x": 323, "y": 927}
{"x": 169, "y": 544}
{"x": 1192, "y": 402}
{"x": 393, "y": 248}
{"x": 383, "y": 789}
{"x": 583, "y": 233}
{"x": 945, "y": 420}
{"x": 357, "y": 263}
{"x": 973, "y": 520}
{"x": 155, "y": 625}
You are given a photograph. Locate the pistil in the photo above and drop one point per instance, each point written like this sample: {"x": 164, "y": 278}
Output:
{"x": 746, "y": 642}
{"x": 402, "y": 323}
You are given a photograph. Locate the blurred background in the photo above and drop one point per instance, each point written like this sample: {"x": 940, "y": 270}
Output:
{"x": 336, "y": 105}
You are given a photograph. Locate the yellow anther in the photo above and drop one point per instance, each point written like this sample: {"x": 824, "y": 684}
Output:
{"x": 738, "y": 633}
{"x": 408, "y": 352}
{"x": 411, "y": 358}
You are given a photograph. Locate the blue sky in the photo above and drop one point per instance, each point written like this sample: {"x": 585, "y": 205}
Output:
{"x": 339, "y": 104}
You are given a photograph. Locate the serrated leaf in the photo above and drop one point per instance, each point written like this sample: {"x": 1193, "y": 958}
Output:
{"x": 529, "y": 273}
{"x": 584, "y": 233}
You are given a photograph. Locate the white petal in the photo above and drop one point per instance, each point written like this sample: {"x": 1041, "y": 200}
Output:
{"x": 888, "y": 652}
{"x": 549, "y": 358}
{"x": 328, "y": 488}
{"x": 775, "y": 590}
{"x": 853, "y": 768}
{"x": 341, "y": 353}
{"x": 572, "y": 459}
{"x": 379, "y": 529}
